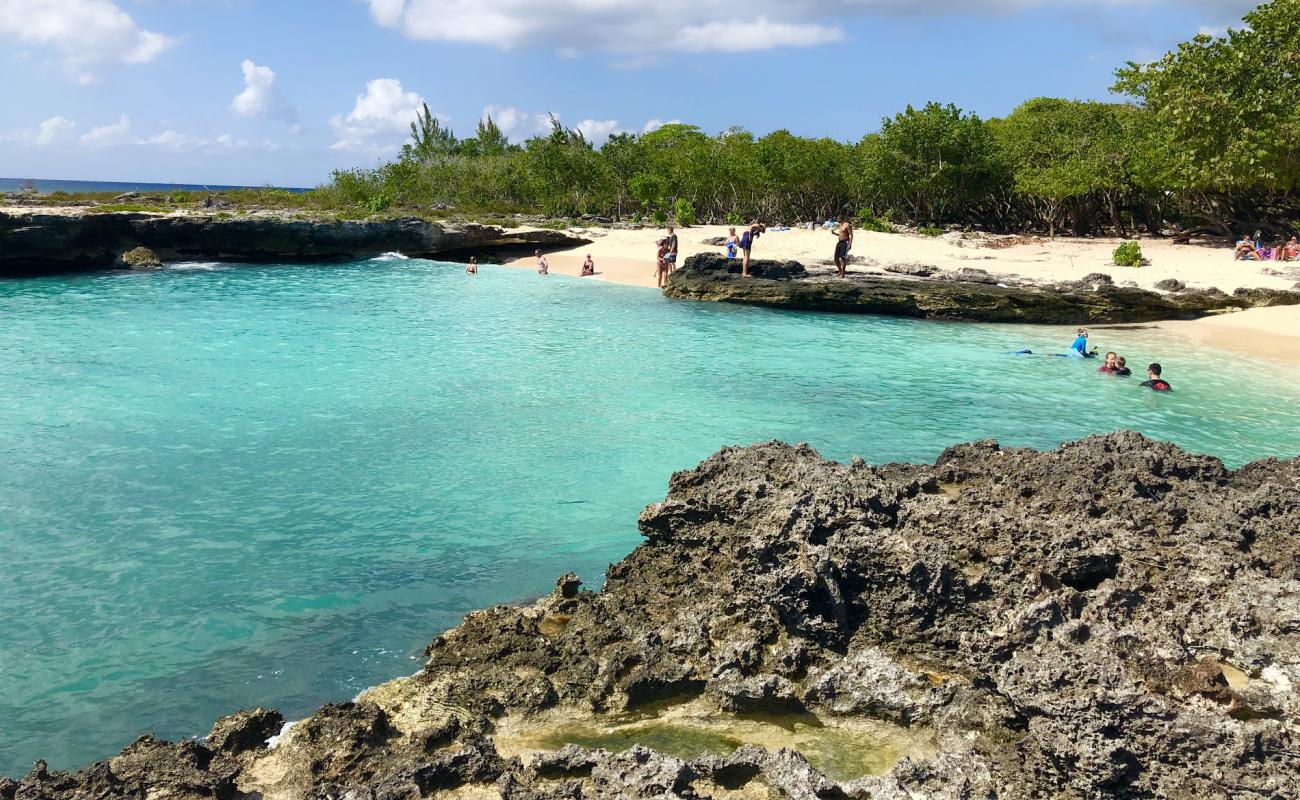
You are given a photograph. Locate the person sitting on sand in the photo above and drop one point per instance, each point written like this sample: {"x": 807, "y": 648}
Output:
{"x": 588, "y": 267}
{"x": 747, "y": 244}
{"x": 1289, "y": 251}
{"x": 472, "y": 267}
{"x": 1111, "y": 366}
{"x": 732, "y": 243}
{"x": 542, "y": 267}
{"x": 1246, "y": 250}
{"x": 1154, "y": 382}
{"x": 1121, "y": 368}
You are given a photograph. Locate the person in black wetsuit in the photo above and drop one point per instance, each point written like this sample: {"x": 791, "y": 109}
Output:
{"x": 1123, "y": 371}
{"x": 1154, "y": 381}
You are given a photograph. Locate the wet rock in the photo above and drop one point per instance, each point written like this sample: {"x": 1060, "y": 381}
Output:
{"x": 966, "y": 294}
{"x": 39, "y": 242}
{"x": 245, "y": 731}
{"x": 139, "y": 258}
{"x": 1115, "y": 618}
{"x": 1171, "y": 285}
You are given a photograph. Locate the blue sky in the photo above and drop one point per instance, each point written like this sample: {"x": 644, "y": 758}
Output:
{"x": 284, "y": 91}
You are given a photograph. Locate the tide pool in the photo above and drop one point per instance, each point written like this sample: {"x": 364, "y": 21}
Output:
{"x": 223, "y": 487}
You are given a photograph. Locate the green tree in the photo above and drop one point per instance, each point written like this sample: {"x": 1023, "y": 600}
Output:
{"x": 429, "y": 138}
{"x": 1224, "y": 131}
{"x": 1067, "y": 154}
{"x": 934, "y": 164}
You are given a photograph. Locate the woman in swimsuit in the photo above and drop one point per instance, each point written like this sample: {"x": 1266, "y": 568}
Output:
{"x": 472, "y": 267}
{"x": 661, "y": 263}
{"x": 588, "y": 267}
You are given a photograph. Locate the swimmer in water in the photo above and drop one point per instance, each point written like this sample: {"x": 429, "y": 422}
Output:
{"x": 1121, "y": 368}
{"x": 1080, "y": 345}
{"x": 472, "y": 267}
{"x": 1111, "y": 366}
{"x": 1154, "y": 382}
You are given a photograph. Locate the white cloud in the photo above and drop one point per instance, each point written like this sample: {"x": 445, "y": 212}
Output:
{"x": 51, "y": 131}
{"x": 642, "y": 30}
{"x": 598, "y": 131}
{"x": 380, "y": 119}
{"x": 54, "y": 129}
{"x": 261, "y": 97}
{"x": 85, "y": 33}
{"x": 109, "y": 135}
{"x": 575, "y": 26}
{"x": 122, "y": 134}
{"x": 656, "y": 124}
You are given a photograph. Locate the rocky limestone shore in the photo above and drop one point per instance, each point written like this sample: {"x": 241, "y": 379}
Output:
{"x": 1114, "y": 619}
{"x": 969, "y": 295}
{"x": 43, "y": 241}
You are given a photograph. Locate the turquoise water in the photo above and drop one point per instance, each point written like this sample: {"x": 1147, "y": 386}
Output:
{"x": 225, "y": 487}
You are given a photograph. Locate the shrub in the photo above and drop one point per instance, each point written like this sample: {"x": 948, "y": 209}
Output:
{"x": 734, "y": 218}
{"x": 685, "y": 212}
{"x": 930, "y": 230}
{"x": 868, "y": 221}
{"x": 1129, "y": 254}
{"x": 659, "y": 217}
{"x": 377, "y": 203}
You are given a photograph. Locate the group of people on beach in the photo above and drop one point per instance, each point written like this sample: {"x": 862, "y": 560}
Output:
{"x": 1117, "y": 365}
{"x": 1251, "y": 248}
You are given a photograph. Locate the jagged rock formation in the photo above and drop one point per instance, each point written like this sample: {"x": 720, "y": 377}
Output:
{"x": 911, "y": 290}
{"x": 1116, "y": 618}
{"x": 38, "y": 241}
{"x": 139, "y": 258}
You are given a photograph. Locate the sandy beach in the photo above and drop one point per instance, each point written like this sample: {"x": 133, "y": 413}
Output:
{"x": 627, "y": 257}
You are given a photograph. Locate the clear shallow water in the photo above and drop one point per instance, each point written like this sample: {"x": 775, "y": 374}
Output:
{"x": 225, "y": 487}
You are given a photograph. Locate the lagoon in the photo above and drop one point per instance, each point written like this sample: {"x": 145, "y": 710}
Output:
{"x": 229, "y": 486}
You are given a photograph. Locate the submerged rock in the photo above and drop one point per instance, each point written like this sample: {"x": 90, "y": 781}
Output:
{"x": 965, "y": 294}
{"x": 1116, "y": 618}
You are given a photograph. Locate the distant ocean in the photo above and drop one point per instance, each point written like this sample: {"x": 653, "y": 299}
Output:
{"x": 46, "y": 186}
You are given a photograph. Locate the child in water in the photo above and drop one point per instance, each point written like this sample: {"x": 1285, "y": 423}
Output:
{"x": 1122, "y": 370}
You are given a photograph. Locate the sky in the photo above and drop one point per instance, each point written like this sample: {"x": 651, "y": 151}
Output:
{"x": 282, "y": 92}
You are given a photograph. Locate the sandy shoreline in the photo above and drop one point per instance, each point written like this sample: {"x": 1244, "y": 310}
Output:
{"x": 627, "y": 257}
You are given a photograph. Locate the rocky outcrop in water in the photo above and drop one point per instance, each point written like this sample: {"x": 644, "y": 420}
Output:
{"x": 972, "y": 295}
{"x": 35, "y": 241}
{"x": 1114, "y": 619}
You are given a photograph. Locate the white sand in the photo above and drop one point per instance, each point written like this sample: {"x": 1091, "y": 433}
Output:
{"x": 628, "y": 256}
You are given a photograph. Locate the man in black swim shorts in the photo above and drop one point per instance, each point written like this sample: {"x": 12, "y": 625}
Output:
{"x": 671, "y": 258}
{"x": 842, "y": 247}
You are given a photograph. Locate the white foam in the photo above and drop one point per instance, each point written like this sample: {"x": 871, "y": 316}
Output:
{"x": 197, "y": 266}
{"x": 274, "y": 741}
{"x": 392, "y": 257}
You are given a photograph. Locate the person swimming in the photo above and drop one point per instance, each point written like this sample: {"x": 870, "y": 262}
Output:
{"x": 1121, "y": 368}
{"x": 1111, "y": 366}
{"x": 1154, "y": 382}
{"x": 472, "y": 267}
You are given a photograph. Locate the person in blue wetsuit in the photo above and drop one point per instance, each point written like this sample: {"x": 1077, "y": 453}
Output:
{"x": 1080, "y": 346}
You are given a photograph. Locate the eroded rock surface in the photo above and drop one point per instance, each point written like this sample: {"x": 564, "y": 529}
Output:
{"x": 1116, "y": 618}
{"x": 35, "y": 241}
{"x": 971, "y": 295}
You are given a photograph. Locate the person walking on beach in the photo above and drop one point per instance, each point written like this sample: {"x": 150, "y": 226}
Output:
{"x": 845, "y": 234}
{"x": 672, "y": 249}
{"x": 542, "y": 267}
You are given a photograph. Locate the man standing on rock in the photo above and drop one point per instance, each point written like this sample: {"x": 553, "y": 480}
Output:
{"x": 845, "y": 234}
{"x": 671, "y": 258}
